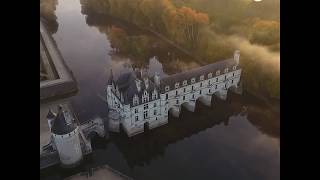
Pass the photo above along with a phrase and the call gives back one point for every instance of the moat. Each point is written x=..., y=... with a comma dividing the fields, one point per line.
x=212, y=143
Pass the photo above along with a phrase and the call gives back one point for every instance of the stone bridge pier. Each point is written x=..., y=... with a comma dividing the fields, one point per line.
x=190, y=106
x=206, y=100
x=175, y=111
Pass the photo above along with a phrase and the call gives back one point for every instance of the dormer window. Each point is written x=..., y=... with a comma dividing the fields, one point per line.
x=234, y=68
x=167, y=88
x=185, y=82
x=226, y=70
x=202, y=78
x=135, y=100
x=193, y=80
x=218, y=73
x=209, y=75
x=176, y=85
x=154, y=95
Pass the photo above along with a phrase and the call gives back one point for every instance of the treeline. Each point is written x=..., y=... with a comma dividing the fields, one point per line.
x=197, y=28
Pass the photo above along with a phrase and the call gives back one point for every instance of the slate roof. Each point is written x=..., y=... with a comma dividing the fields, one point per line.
x=127, y=86
x=60, y=126
x=196, y=73
x=51, y=115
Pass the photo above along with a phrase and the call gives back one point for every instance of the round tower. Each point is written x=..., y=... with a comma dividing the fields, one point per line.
x=66, y=139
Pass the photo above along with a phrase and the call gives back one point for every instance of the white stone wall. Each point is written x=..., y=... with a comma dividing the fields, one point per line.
x=68, y=147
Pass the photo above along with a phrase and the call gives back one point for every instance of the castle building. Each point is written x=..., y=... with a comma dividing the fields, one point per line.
x=138, y=102
x=65, y=137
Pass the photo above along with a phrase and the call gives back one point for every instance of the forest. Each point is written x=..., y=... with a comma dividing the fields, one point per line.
x=211, y=30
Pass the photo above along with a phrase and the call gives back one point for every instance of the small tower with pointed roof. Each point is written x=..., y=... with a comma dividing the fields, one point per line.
x=50, y=118
x=66, y=138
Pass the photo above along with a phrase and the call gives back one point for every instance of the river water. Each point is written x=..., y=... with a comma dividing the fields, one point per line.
x=212, y=143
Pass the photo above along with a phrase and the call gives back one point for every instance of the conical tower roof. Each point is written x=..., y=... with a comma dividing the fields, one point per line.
x=51, y=115
x=60, y=126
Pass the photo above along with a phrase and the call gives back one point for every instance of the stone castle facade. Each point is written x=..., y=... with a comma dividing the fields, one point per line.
x=138, y=102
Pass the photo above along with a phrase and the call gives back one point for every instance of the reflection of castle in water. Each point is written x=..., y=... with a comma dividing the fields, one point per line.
x=141, y=149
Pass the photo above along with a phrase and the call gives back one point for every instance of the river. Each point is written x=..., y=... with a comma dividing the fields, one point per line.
x=212, y=143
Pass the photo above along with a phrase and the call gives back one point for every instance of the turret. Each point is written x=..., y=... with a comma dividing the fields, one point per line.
x=66, y=138
x=110, y=81
x=236, y=56
x=50, y=118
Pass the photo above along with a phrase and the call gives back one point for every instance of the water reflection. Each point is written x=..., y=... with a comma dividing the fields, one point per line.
x=47, y=12
x=130, y=41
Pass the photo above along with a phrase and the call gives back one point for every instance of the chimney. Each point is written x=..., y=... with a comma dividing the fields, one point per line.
x=236, y=56
x=138, y=84
x=146, y=82
x=156, y=79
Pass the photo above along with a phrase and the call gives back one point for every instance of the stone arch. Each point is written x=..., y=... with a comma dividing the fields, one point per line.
x=92, y=135
x=174, y=111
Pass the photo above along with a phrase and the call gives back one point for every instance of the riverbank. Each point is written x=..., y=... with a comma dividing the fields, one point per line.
x=102, y=172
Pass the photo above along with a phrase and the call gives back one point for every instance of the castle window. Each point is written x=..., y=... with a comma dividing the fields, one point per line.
x=232, y=74
x=145, y=106
x=166, y=96
x=193, y=80
x=216, y=86
x=192, y=88
x=184, y=90
x=201, y=77
x=137, y=118
x=184, y=97
x=176, y=93
x=232, y=81
x=136, y=110
x=192, y=96
x=177, y=101
x=234, y=67
x=218, y=73
x=176, y=85
x=216, y=79
x=145, y=114
x=200, y=92
x=226, y=70
x=200, y=84
x=144, y=99
x=185, y=82
x=209, y=90
x=155, y=112
x=167, y=88
x=209, y=75
x=155, y=104
x=225, y=77
x=209, y=82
